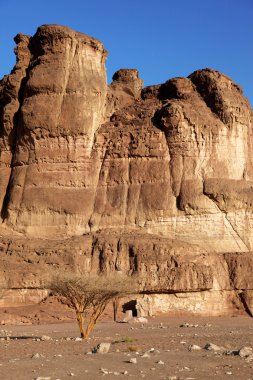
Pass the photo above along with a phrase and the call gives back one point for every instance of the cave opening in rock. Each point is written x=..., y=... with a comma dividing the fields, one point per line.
x=130, y=305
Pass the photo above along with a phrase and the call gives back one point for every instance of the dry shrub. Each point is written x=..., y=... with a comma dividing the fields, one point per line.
x=89, y=295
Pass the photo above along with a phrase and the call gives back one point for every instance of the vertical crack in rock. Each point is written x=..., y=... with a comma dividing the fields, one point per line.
x=12, y=89
x=244, y=246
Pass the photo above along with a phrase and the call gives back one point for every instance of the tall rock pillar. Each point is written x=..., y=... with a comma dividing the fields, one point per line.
x=61, y=108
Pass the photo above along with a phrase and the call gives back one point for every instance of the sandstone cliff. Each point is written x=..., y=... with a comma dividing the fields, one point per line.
x=154, y=181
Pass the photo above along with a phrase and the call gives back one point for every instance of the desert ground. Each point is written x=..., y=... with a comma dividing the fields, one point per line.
x=159, y=348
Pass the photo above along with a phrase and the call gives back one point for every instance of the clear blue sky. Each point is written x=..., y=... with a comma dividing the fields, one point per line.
x=161, y=38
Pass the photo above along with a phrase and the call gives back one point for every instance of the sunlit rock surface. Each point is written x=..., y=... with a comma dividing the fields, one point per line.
x=155, y=182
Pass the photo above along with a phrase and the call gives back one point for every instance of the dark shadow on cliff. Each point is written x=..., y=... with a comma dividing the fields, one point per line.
x=12, y=141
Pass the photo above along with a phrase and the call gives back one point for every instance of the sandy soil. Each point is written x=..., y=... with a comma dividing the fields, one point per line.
x=61, y=358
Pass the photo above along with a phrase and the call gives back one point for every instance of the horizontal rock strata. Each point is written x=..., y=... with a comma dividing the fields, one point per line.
x=174, y=276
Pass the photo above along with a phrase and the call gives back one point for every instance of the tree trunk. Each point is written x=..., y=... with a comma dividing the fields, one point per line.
x=115, y=304
x=92, y=319
x=89, y=328
x=80, y=321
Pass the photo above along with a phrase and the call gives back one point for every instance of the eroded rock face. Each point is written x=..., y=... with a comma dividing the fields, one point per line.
x=11, y=93
x=61, y=108
x=177, y=277
x=173, y=167
x=154, y=182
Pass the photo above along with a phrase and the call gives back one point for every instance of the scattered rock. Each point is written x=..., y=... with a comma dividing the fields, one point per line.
x=194, y=347
x=231, y=352
x=145, y=355
x=188, y=325
x=104, y=371
x=185, y=369
x=160, y=362
x=154, y=351
x=45, y=338
x=213, y=347
x=115, y=373
x=78, y=339
x=37, y=356
x=245, y=352
x=133, y=360
x=101, y=348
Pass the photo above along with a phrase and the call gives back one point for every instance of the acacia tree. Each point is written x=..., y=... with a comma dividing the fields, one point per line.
x=89, y=295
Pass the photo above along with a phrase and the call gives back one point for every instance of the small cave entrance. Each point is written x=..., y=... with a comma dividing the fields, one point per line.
x=130, y=305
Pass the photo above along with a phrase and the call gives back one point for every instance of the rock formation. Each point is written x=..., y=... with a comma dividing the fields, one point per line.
x=154, y=181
